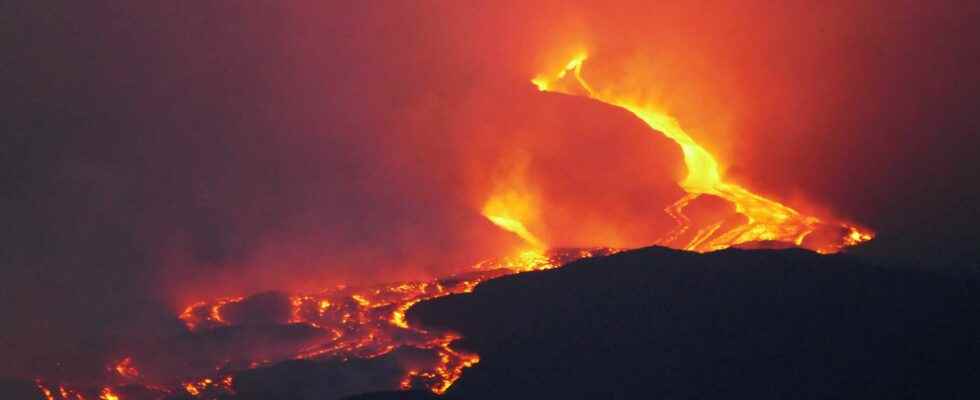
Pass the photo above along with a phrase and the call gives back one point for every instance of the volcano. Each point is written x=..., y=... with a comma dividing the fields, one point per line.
x=512, y=199
x=344, y=340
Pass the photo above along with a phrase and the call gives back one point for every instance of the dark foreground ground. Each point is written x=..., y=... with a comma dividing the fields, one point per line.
x=662, y=324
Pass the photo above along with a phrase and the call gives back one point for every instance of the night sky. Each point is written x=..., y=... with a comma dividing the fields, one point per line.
x=154, y=155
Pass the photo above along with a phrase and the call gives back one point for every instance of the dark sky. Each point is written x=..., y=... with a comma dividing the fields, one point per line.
x=152, y=155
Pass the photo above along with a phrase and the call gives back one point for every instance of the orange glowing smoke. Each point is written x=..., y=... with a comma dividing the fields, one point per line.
x=499, y=212
x=514, y=226
x=767, y=220
x=512, y=205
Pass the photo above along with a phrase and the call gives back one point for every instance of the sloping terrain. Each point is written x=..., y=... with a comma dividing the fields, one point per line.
x=666, y=324
x=662, y=324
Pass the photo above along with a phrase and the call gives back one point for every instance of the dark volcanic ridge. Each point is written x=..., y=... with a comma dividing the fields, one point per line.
x=659, y=323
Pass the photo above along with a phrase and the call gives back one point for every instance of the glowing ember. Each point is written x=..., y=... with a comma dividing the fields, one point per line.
x=59, y=393
x=107, y=394
x=44, y=390
x=210, y=386
x=767, y=220
x=126, y=369
x=202, y=315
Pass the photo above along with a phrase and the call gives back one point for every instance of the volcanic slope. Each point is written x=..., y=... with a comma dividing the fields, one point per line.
x=761, y=324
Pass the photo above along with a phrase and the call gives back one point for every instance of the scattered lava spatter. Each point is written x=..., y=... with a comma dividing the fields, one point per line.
x=766, y=219
x=370, y=322
x=63, y=392
x=360, y=323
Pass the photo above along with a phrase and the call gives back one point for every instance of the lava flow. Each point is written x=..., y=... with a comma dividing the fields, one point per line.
x=369, y=322
x=766, y=220
x=365, y=323
x=356, y=323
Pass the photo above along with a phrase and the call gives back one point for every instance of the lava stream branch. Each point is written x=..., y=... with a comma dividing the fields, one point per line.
x=766, y=220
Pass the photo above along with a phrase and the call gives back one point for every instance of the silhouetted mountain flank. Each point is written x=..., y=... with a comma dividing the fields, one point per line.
x=664, y=324
x=763, y=324
x=413, y=395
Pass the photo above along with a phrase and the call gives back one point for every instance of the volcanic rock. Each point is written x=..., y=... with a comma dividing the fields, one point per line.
x=761, y=324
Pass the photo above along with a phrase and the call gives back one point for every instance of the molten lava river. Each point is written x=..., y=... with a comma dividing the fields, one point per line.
x=345, y=324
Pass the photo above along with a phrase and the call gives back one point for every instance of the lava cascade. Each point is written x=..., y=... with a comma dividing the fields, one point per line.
x=766, y=220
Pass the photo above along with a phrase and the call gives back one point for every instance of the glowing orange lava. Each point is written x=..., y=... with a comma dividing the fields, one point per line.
x=507, y=211
x=107, y=394
x=767, y=220
x=211, y=386
x=369, y=322
x=126, y=369
x=62, y=392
